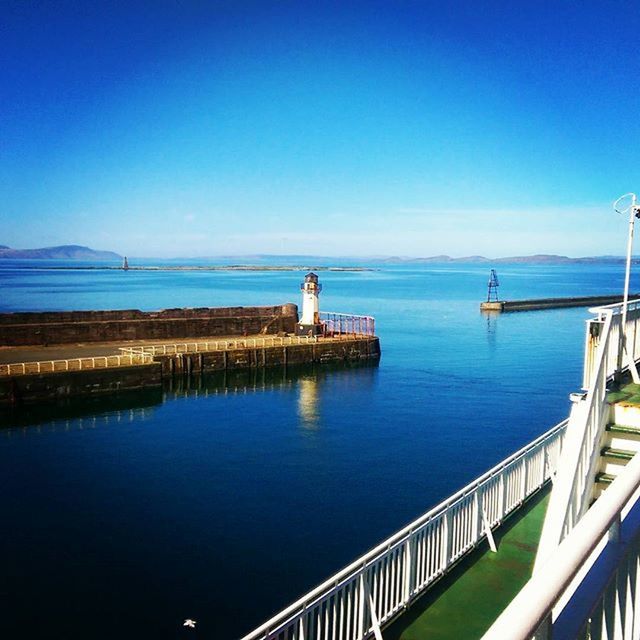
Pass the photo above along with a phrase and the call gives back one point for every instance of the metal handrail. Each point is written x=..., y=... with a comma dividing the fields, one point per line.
x=573, y=488
x=376, y=587
x=74, y=364
x=532, y=608
x=344, y=323
x=633, y=304
x=235, y=343
x=144, y=354
x=593, y=340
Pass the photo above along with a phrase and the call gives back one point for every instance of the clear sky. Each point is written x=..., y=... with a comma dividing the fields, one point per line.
x=350, y=128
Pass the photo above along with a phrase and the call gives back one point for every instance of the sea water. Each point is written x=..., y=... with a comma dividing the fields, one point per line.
x=224, y=498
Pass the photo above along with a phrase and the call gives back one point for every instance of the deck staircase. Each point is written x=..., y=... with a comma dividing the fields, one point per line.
x=620, y=441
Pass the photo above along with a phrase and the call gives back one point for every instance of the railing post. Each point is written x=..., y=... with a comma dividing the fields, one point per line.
x=525, y=473
x=477, y=515
x=545, y=630
x=614, y=531
x=361, y=605
x=409, y=573
x=503, y=494
x=448, y=538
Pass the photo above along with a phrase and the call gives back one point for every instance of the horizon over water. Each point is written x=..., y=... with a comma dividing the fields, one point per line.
x=225, y=498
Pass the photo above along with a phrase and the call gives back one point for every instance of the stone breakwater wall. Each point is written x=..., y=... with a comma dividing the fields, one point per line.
x=63, y=327
x=249, y=358
x=16, y=390
x=552, y=303
x=44, y=387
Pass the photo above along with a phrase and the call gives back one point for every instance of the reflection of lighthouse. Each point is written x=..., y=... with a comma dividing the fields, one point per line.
x=308, y=403
x=309, y=324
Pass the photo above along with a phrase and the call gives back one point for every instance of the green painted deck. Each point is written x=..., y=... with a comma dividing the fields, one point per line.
x=464, y=604
x=626, y=392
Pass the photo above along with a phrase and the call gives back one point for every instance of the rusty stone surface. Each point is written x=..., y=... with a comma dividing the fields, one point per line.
x=47, y=328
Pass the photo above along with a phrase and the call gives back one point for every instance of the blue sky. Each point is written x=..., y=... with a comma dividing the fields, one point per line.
x=390, y=128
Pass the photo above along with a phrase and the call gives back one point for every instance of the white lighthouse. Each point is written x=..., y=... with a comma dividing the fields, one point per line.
x=309, y=324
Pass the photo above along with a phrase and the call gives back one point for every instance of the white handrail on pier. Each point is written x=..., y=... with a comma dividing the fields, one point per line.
x=364, y=596
x=73, y=364
x=261, y=342
x=144, y=354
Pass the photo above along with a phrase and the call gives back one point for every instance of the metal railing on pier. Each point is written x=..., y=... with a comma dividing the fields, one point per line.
x=339, y=327
x=344, y=323
x=261, y=342
x=356, y=602
x=74, y=364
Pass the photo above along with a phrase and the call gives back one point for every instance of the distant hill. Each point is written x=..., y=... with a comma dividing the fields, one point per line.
x=534, y=259
x=63, y=252
x=541, y=258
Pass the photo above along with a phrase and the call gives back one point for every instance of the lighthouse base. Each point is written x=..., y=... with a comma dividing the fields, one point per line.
x=308, y=329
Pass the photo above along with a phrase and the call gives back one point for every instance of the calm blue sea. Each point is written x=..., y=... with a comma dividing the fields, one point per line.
x=224, y=500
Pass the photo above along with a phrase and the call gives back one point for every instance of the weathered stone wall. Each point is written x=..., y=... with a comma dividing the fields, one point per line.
x=552, y=303
x=329, y=351
x=19, y=389
x=104, y=326
x=44, y=387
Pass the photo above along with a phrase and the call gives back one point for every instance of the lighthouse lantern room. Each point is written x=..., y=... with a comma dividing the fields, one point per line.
x=309, y=324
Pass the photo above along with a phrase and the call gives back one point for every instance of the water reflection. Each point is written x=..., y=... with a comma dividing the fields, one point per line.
x=491, y=318
x=308, y=410
x=141, y=406
x=84, y=413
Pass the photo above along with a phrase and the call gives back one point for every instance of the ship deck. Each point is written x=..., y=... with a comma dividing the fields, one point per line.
x=466, y=602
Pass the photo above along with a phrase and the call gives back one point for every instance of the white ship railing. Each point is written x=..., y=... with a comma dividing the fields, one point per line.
x=573, y=488
x=361, y=598
x=596, y=334
x=599, y=562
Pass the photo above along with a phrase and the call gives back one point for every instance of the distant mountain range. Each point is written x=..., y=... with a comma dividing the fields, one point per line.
x=377, y=259
x=64, y=252
x=541, y=258
x=77, y=252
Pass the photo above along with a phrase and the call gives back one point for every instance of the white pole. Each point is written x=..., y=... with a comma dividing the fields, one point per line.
x=632, y=365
